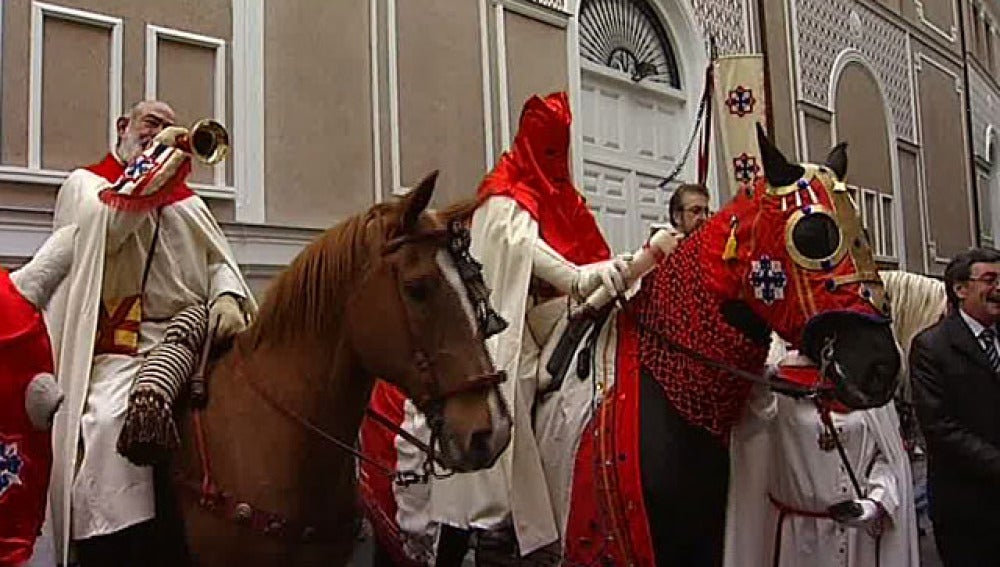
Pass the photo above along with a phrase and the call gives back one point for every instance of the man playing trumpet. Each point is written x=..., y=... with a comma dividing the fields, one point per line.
x=146, y=248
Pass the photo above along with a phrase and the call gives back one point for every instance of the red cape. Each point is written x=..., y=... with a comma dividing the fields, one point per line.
x=535, y=173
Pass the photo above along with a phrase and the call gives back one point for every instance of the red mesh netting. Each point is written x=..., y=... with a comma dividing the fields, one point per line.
x=674, y=303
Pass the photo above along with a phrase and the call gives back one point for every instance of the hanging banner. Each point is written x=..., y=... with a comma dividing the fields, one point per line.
x=740, y=103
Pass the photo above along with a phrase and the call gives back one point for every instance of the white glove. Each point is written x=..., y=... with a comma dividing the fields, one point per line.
x=611, y=275
x=226, y=310
x=870, y=516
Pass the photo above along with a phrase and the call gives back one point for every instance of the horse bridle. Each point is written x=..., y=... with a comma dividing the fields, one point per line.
x=432, y=397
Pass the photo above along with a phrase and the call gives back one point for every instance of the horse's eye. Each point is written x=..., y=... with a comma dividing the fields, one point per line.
x=816, y=236
x=418, y=290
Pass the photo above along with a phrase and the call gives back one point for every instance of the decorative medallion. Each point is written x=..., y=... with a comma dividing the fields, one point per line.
x=768, y=279
x=745, y=168
x=628, y=36
x=741, y=101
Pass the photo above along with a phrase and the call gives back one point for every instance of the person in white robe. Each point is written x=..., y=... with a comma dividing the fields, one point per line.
x=788, y=480
x=99, y=500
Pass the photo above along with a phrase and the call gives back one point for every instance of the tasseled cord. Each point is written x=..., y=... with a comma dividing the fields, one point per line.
x=149, y=434
x=730, y=251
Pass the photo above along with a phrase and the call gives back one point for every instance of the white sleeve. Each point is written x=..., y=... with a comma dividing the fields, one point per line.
x=550, y=266
x=883, y=486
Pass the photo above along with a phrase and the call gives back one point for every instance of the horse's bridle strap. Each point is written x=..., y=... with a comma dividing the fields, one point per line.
x=789, y=389
x=857, y=277
x=400, y=241
x=472, y=385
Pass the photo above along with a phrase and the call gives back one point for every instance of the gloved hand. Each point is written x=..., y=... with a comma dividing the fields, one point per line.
x=610, y=275
x=858, y=513
x=226, y=310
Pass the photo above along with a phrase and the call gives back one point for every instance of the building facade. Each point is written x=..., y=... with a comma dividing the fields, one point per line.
x=334, y=106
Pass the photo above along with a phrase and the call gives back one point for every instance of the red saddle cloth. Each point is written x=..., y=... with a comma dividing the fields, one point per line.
x=25, y=452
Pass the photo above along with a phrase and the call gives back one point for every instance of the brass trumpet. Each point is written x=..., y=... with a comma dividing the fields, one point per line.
x=208, y=141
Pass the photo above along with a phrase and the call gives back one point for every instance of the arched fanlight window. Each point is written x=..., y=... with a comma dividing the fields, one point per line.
x=627, y=35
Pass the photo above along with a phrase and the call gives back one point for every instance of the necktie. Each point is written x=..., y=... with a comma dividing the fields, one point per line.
x=987, y=337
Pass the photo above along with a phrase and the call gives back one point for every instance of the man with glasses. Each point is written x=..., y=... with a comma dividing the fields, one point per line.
x=689, y=207
x=955, y=367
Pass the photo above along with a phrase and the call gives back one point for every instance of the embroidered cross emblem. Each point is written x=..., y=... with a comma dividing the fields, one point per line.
x=745, y=167
x=10, y=466
x=139, y=167
x=768, y=279
x=741, y=101
x=826, y=441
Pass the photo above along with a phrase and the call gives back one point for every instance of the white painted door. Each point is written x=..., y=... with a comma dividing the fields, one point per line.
x=632, y=138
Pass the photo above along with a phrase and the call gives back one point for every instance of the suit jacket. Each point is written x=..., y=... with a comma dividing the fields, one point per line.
x=957, y=396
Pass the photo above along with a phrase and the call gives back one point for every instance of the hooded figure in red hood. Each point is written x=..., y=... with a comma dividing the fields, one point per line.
x=538, y=243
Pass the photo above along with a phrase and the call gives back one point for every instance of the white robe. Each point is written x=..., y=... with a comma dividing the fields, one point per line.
x=94, y=490
x=776, y=453
x=514, y=490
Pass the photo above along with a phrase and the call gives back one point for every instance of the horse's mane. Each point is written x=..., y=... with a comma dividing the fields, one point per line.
x=307, y=299
x=916, y=302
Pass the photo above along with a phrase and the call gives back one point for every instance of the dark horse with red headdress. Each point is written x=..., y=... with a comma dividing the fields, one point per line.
x=650, y=406
x=634, y=436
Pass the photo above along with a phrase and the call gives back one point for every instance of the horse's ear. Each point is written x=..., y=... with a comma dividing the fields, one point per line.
x=417, y=200
x=777, y=170
x=837, y=160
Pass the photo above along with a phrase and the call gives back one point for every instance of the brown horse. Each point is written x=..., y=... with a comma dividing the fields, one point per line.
x=377, y=295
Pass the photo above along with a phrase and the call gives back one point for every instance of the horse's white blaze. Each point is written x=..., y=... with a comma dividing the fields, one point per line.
x=451, y=275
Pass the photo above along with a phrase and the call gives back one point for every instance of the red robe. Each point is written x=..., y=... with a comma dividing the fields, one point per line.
x=25, y=452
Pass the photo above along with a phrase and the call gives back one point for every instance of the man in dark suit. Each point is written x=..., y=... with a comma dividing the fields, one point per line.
x=955, y=367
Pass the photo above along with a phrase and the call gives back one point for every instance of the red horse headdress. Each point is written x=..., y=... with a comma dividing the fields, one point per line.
x=789, y=248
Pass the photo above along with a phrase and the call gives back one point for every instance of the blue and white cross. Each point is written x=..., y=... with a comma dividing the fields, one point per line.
x=741, y=101
x=10, y=466
x=768, y=279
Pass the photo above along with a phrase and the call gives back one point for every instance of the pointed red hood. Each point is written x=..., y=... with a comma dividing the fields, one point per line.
x=535, y=173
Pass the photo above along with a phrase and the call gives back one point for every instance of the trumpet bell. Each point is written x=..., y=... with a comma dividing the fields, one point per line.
x=209, y=141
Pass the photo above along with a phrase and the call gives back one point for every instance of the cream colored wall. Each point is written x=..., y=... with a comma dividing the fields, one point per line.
x=945, y=166
x=318, y=125
x=862, y=122
x=16, y=36
x=818, y=136
x=186, y=80
x=441, y=96
x=74, y=127
x=909, y=199
x=536, y=61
